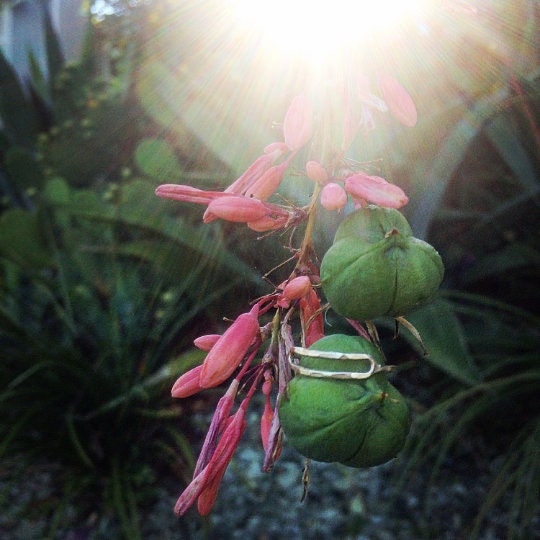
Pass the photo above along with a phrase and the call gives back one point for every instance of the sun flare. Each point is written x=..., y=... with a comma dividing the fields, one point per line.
x=315, y=29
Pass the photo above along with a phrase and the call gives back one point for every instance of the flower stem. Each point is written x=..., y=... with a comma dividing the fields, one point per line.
x=306, y=249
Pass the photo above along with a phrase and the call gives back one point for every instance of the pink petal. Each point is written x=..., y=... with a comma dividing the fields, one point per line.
x=187, y=384
x=376, y=190
x=297, y=288
x=316, y=172
x=267, y=223
x=311, y=317
x=206, y=342
x=398, y=100
x=179, y=192
x=268, y=183
x=237, y=209
x=333, y=196
x=298, y=123
x=226, y=355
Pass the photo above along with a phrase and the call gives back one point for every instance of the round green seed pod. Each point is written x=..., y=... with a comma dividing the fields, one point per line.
x=360, y=423
x=376, y=267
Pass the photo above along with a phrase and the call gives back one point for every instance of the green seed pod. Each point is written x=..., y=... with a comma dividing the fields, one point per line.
x=376, y=266
x=360, y=423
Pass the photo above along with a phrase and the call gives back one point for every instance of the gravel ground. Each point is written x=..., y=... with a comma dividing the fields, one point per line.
x=342, y=503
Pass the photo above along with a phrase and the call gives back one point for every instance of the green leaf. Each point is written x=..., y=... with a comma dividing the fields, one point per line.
x=445, y=340
x=55, y=56
x=503, y=136
x=21, y=240
x=22, y=168
x=156, y=159
x=434, y=176
x=18, y=118
x=511, y=257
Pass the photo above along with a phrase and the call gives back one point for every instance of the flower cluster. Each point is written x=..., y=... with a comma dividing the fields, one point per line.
x=296, y=301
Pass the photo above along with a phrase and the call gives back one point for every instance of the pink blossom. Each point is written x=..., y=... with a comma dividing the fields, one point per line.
x=179, y=192
x=267, y=418
x=311, y=317
x=206, y=342
x=268, y=223
x=297, y=287
x=316, y=172
x=268, y=183
x=236, y=208
x=376, y=190
x=187, y=384
x=257, y=168
x=398, y=100
x=229, y=351
x=298, y=123
x=333, y=196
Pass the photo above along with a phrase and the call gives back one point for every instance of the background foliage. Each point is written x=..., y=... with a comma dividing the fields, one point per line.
x=103, y=286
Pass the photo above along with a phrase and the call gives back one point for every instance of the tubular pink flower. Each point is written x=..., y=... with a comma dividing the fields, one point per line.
x=187, y=384
x=257, y=169
x=267, y=418
x=398, y=100
x=316, y=172
x=268, y=223
x=268, y=183
x=311, y=317
x=333, y=196
x=206, y=342
x=376, y=190
x=226, y=355
x=179, y=192
x=298, y=123
x=236, y=208
x=297, y=288
x=279, y=147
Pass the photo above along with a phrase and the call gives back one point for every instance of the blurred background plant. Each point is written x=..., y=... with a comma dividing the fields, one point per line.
x=103, y=287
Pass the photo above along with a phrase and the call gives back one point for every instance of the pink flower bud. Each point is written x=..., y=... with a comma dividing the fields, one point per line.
x=398, y=100
x=267, y=223
x=311, y=318
x=297, y=288
x=254, y=171
x=267, y=418
x=333, y=196
x=316, y=172
x=230, y=349
x=277, y=149
x=206, y=342
x=237, y=209
x=188, y=194
x=376, y=190
x=187, y=384
x=268, y=183
x=298, y=123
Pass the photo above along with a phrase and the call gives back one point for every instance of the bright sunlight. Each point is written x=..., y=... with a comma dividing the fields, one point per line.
x=315, y=29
